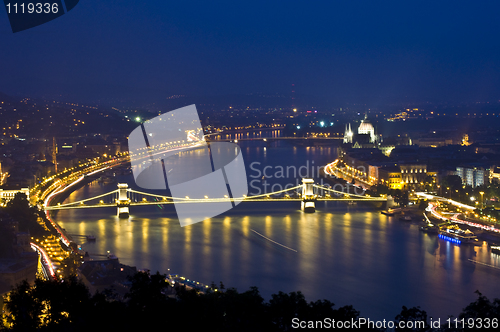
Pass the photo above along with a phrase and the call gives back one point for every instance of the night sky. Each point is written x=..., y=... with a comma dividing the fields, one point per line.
x=374, y=51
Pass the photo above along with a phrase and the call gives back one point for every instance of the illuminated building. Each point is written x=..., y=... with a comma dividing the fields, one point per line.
x=391, y=177
x=8, y=194
x=365, y=136
x=366, y=128
x=348, y=134
x=371, y=167
x=473, y=175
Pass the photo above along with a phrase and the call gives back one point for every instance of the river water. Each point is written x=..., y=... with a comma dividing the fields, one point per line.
x=348, y=254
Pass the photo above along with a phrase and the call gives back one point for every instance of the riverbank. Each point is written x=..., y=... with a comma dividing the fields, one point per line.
x=60, y=197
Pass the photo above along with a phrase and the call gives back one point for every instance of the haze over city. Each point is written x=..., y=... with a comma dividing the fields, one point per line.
x=338, y=52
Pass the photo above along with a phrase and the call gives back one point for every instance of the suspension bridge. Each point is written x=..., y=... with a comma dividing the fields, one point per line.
x=307, y=193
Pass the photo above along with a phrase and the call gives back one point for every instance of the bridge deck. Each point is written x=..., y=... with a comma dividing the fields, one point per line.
x=84, y=206
x=277, y=139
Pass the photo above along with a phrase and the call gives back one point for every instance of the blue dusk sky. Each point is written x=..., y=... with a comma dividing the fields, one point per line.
x=376, y=51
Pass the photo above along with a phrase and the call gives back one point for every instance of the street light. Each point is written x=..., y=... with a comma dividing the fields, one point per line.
x=482, y=204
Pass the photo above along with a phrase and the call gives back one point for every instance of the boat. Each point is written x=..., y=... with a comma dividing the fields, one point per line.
x=457, y=235
x=405, y=218
x=430, y=229
x=389, y=213
x=495, y=250
x=90, y=238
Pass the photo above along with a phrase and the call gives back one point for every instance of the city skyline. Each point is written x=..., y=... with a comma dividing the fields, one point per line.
x=253, y=155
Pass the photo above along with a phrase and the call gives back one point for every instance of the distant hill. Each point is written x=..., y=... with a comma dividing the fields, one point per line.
x=40, y=118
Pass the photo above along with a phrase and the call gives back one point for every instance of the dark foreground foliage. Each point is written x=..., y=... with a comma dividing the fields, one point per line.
x=151, y=304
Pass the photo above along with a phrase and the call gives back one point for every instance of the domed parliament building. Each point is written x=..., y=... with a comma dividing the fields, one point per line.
x=364, y=138
x=367, y=137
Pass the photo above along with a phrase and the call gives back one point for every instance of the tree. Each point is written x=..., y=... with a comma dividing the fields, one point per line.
x=284, y=307
x=24, y=309
x=146, y=300
x=18, y=203
x=454, y=182
x=422, y=205
x=381, y=189
x=481, y=308
x=70, y=265
x=21, y=211
x=146, y=290
x=429, y=183
x=401, y=197
x=66, y=303
x=413, y=315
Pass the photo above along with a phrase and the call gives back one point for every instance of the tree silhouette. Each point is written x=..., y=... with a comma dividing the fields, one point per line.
x=51, y=305
x=454, y=182
x=26, y=216
x=401, y=197
x=413, y=315
x=24, y=309
x=481, y=308
x=284, y=307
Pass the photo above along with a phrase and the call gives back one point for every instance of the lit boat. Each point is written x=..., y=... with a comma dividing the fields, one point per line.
x=430, y=229
x=457, y=235
x=389, y=213
x=111, y=255
x=495, y=250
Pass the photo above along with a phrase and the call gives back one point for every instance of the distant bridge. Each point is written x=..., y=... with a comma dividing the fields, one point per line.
x=125, y=197
x=270, y=139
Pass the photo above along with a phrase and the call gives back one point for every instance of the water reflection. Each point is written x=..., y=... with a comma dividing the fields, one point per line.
x=347, y=254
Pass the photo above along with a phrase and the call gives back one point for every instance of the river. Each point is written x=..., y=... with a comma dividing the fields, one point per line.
x=348, y=254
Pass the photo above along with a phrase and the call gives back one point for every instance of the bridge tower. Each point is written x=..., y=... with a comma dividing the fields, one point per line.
x=123, y=202
x=308, y=204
